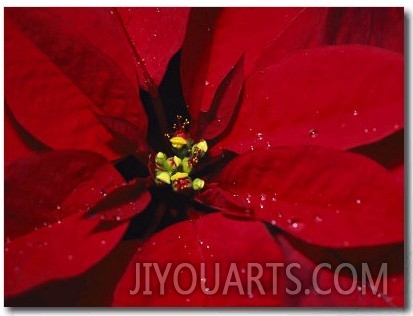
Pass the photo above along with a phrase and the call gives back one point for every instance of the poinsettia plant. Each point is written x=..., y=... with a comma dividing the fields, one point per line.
x=204, y=157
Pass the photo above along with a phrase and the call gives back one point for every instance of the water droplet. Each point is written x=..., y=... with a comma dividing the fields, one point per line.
x=157, y=10
x=153, y=243
x=263, y=197
x=268, y=145
x=337, y=211
x=58, y=207
x=242, y=270
x=379, y=295
x=103, y=192
x=207, y=246
x=273, y=222
x=179, y=236
x=396, y=126
x=188, y=300
x=252, y=147
x=359, y=288
x=203, y=280
x=118, y=218
x=250, y=295
x=206, y=82
x=248, y=199
x=261, y=72
x=111, y=12
x=139, y=249
x=318, y=219
x=259, y=136
x=155, y=35
x=346, y=243
x=45, y=224
x=358, y=201
x=70, y=257
x=103, y=242
x=313, y=133
x=374, y=129
x=201, y=242
x=366, y=130
x=261, y=206
x=8, y=240
x=206, y=289
x=294, y=223
x=355, y=113
x=209, y=29
x=6, y=249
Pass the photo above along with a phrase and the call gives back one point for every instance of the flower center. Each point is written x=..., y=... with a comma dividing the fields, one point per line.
x=175, y=171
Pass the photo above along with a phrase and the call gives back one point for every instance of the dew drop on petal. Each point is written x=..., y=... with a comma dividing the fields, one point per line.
x=355, y=113
x=273, y=222
x=157, y=10
x=70, y=257
x=366, y=130
x=58, y=207
x=259, y=136
x=318, y=219
x=103, y=192
x=206, y=83
x=263, y=197
x=313, y=133
x=103, y=242
x=207, y=246
x=358, y=201
x=396, y=126
x=242, y=270
x=346, y=243
x=118, y=218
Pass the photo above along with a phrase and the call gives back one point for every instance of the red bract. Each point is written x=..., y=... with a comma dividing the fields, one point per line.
x=302, y=109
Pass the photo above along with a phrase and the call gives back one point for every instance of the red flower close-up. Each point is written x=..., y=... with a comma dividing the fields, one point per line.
x=204, y=157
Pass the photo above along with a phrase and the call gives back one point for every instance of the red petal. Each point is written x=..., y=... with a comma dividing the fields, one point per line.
x=43, y=197
x=124, y=202
x=217, y=39
x=18, y=142
x=43, y=189
x=382, y=27
x=158, y=34
x=56, y=78
x=211, y=239
x=89, y=289
x=216, y=120
x=59, y=251
x=340, y=97
x=322, y=196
